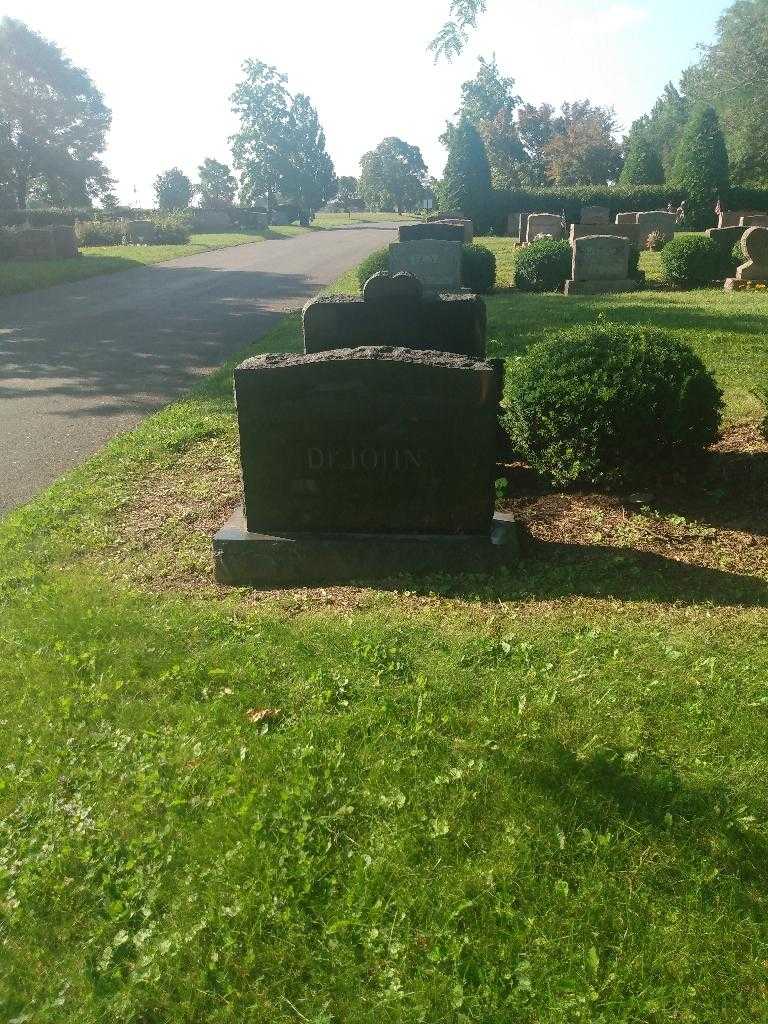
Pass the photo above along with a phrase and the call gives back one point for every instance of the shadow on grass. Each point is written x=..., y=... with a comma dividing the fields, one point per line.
x=554, y=571
x=608, y=793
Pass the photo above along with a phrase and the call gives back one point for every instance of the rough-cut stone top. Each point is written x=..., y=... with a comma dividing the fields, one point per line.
x=370, y=353
x=344, y=300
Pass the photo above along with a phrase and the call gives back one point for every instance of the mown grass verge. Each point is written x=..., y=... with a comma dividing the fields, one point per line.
x=29, y=275
x=539, y=796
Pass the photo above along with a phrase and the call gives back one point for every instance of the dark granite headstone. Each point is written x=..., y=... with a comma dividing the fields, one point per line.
x=443, y=231
x=368, y=440
x=64, y=241
x=394, y=311
x=35, y=244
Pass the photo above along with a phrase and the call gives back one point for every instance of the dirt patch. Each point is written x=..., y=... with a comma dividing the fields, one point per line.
x=715, y=520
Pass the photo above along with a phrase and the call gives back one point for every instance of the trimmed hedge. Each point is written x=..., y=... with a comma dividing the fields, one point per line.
x=543, y=265
x=609, y=403
x=690, y=260
x=620, y=200
x=376, y=263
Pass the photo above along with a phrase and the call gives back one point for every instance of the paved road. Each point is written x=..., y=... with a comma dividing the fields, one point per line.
x=82, y=362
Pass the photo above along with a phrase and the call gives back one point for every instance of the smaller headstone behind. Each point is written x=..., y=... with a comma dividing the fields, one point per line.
x=544, y=224
x=628, y=231
x=35, y=244
x=626, y=218
x=595, y=215
x=64, y=242
x=394, y=311
x=754, y=245
x=655, y=220
x=755, y=221
x=445, y=231
x=600, y=264
x=437, y=264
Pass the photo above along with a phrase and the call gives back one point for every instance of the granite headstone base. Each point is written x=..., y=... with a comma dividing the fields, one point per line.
x=629, y=284
x=244, y=559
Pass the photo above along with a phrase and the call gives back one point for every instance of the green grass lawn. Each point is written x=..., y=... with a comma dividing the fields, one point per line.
x=341, y=220
x=108, y=259
x=536, y=797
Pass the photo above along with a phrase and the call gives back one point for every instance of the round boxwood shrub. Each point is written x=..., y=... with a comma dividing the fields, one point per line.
x=609, y=403
x=377, y=262
x=478, y=268
x=542, y=266
x=690, y=260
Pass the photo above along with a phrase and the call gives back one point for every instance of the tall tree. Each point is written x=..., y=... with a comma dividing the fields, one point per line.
x=347, y=190
x=489, y=102
x=173, y=190
x=311, y=179
x=642, y=165
x=701, y=165
x=53, y=122
x=218, y=186
x=732, y=77
x=664, y=126
x=583, y=150
x=280, y=146
x=393, y=175
x=467, y=177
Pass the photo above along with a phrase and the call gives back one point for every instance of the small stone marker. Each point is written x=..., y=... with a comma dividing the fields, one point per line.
x=655, y=220
x=437, y=264
x=754, y=244
x=595, y=215
x=544, y=224
x=600, y=264
x=364, y=462
x=35, y=244
x=393, y=310
x=442, y=230
x=626, y=218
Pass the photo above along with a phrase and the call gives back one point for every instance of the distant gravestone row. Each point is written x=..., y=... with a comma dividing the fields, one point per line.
x=52, y=243
x=373, y=453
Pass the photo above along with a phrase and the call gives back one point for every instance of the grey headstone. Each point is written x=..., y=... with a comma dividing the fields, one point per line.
x=394, y=311
x=626, y=218
x=368, y=440
x=437, y=264
x=544, y=224
x=755, y=221
x=629, y=231
x=446, y=231
x=754, y=244
x=600, y=258
x=595, y=215
x=655, y=220
x=140, y=231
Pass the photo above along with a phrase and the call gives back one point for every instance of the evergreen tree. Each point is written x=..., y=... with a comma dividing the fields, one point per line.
x=467, y=176
x=701, y=165
x=173, y=190
x=643, y=164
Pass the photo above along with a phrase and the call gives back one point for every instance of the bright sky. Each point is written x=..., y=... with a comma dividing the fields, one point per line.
x=167, y=68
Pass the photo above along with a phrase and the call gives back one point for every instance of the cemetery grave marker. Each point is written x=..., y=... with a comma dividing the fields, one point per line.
x=754, y=244
x=442, y=230
x=600, y=264
x=655, y=220
x=595, y=215
x=364, y=462
x=437, y=264
x=544, y=224
x=393, y=310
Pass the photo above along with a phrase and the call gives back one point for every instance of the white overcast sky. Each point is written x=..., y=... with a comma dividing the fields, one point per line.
x=167, y=68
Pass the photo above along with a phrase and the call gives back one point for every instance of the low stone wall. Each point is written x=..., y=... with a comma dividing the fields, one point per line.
x=54, y=243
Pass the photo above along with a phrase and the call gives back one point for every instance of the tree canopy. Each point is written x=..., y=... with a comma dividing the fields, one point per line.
x=393, y=176
x=467, y=179
x=173, y=190
x=53, y=123
x=701, y=165
x=732, y=77
x=452, y=37
x=217, y=186
x=280, y=147
x=642, y=165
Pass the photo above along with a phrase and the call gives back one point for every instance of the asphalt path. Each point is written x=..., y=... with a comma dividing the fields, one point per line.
x=82, y=362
